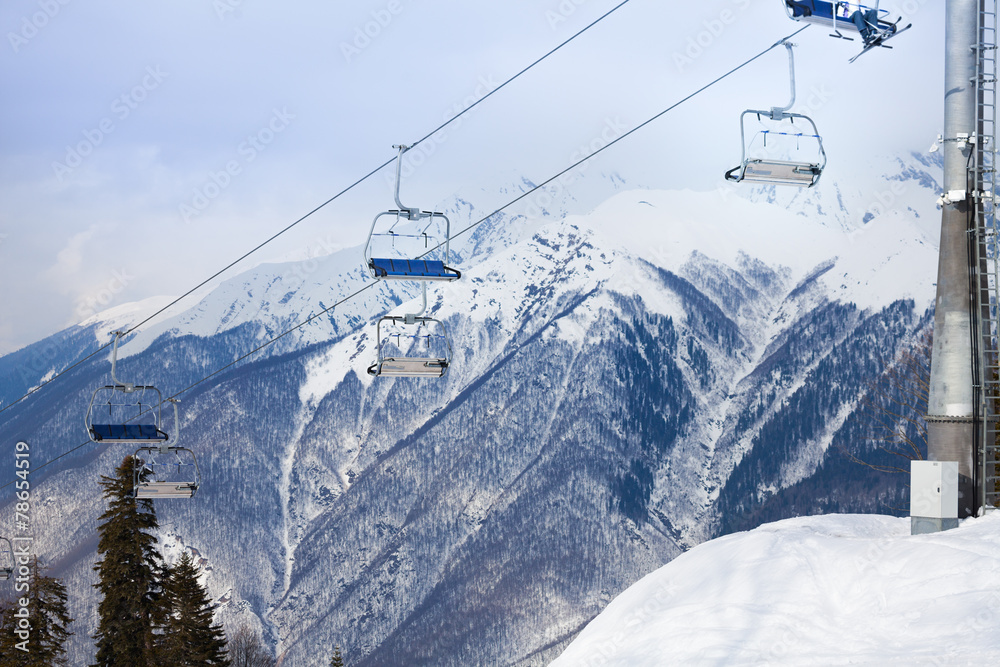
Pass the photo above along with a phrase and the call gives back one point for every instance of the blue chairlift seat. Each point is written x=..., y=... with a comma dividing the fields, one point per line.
x=411, y=269
x=127, y=433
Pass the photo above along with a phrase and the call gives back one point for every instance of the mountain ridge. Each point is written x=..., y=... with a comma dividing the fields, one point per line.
x=609, y=389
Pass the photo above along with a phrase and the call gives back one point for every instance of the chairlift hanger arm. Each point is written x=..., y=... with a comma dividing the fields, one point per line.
x=410, y=213
x=128, y=387
x=777, y=113
x=177, y=426
x=410, y=319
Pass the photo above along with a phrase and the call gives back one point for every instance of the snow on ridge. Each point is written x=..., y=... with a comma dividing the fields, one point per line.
x=325, y=371
x=890, y=258
x=873, y=265
x=822, y=590
x=124, y=316
x=498, y=289
x=274, y=295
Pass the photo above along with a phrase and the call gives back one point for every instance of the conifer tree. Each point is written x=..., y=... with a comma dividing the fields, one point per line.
x=895, y=404
x=48, y=620
x=190, y=639
x=128, y=580
x=7, y=637
x=337, y=660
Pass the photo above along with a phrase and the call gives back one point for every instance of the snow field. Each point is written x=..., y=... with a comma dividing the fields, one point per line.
x=824, y=590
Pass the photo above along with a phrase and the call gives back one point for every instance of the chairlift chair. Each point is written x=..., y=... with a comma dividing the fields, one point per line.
x=166, y=471
x=780, y=171
x=403, y=251
x=837, y=16
x=6, y=559
x=775, y=171
x=126, y=403
x=411, y=366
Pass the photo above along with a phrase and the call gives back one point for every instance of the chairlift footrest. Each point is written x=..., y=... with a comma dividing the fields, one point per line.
x=409, y=367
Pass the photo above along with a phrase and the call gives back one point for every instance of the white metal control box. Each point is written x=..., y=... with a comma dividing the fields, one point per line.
x=934, y=489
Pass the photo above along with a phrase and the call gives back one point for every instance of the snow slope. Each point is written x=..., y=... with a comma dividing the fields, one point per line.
x=822, y=590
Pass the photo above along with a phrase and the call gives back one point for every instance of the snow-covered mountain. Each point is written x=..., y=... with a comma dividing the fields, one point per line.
x=626, y=384
x=824, y=590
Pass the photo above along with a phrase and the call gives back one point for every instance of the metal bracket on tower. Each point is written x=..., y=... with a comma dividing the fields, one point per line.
x=963, y=138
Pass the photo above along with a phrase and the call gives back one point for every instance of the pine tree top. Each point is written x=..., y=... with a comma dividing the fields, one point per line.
x=190, y=637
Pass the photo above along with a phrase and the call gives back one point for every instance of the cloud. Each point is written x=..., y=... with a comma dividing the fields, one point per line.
x=70, y=260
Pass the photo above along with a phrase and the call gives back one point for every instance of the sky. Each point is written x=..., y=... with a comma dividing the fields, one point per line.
x=144, y=146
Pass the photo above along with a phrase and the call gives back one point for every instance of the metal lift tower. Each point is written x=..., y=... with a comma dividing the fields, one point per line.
x=959, y=402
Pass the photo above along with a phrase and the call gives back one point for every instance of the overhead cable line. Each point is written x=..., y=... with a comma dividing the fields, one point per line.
x=368, y=286
x=630, y=132
x=324, y=204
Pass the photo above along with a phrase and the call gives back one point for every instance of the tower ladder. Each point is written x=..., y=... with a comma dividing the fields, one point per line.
x=986, y=256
